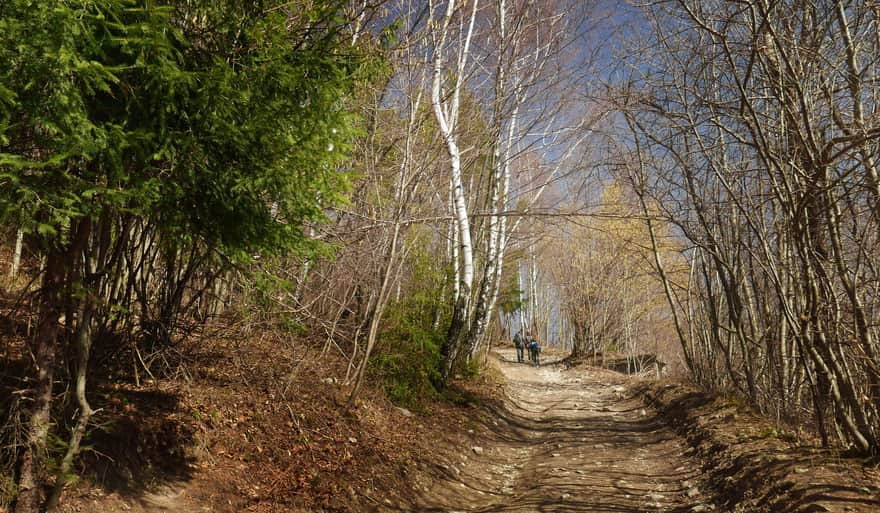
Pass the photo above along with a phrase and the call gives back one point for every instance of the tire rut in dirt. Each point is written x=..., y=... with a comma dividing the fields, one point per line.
x=570, y=441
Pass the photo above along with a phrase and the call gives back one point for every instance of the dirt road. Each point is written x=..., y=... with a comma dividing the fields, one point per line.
x=567, y=441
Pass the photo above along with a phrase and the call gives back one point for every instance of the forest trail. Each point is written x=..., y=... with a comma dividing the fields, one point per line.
x=569, y=442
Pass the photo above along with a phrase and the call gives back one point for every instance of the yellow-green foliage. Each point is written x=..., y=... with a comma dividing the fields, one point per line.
x=604, y=267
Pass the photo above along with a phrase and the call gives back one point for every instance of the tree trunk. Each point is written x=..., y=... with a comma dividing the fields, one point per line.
x=83, y=349
x=376, y=315
x=446, y=119
x=44, y=351
x=16, y=256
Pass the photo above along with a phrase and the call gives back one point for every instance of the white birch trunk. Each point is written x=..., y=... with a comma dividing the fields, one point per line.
x=456, y=263
x=501, y=155
x=499, y=235
x=446, y=115
x=16, y=256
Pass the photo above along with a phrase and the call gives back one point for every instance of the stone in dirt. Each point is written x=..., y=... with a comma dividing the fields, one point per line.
x=477, y=449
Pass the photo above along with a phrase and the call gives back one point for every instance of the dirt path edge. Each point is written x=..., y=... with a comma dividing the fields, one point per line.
x=756, y=467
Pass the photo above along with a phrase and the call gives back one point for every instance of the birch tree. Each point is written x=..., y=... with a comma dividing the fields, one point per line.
x=534, y=67
x=452, y=52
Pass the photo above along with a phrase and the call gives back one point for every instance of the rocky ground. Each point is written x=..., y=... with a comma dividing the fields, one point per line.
x=592, y=440
x=570, y=441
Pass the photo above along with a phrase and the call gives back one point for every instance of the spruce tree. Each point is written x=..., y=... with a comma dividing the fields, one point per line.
x=218, y=123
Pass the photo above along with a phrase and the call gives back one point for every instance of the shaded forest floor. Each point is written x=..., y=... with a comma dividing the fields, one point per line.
x=256, y=427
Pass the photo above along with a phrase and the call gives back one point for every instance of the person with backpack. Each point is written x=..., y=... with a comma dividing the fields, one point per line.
x=519, y=343
x=526, y=343
x=534, y=351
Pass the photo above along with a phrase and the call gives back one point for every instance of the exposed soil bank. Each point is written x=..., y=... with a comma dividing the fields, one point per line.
x=755, y=468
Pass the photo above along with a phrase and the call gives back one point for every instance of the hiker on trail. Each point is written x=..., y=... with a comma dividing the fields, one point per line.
x=520, y=344
x=534, y=351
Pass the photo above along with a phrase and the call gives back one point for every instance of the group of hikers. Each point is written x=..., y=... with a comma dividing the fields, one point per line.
x=527, y=342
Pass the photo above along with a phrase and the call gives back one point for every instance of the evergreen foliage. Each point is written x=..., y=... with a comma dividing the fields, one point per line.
x=408, y=357
x=143, y=142
x=213, y=119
